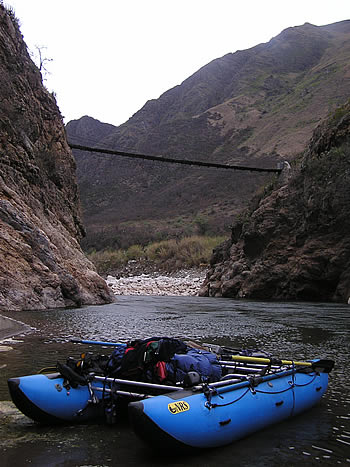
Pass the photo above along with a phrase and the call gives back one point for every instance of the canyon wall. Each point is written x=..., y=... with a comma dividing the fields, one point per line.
x=41, y=263
x=294, y=242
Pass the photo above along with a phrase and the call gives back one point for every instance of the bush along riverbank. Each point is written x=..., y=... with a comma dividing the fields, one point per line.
x=168, y=267
x=167, y=256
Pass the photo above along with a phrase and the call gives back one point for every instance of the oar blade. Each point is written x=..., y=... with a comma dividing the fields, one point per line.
x=323, y=366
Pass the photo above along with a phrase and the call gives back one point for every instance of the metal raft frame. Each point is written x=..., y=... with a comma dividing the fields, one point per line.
x=244, y=375
x=242, y=371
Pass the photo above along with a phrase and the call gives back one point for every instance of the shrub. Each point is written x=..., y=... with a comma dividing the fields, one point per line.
x=108, y=260
x=187, y=252
x=134, y=252
x=170, y=255
x=11, y=12
x=161, y=251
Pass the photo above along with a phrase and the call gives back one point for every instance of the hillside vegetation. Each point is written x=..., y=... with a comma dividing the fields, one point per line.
x=166, y=255
x=294, y=243
x=252, y=107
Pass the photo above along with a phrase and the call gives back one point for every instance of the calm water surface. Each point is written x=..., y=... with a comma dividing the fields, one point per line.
x=289, y=330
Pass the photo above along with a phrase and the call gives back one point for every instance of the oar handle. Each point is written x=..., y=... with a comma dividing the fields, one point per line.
x=84, y=341
x=319, y=365
x=243, y=358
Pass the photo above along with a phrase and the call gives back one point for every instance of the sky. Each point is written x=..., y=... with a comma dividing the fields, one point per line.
x=109, y=57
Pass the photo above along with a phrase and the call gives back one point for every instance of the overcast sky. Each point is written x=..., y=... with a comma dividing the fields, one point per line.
x=110, y=56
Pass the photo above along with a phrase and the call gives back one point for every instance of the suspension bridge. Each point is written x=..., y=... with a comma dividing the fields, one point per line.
x=172, y=160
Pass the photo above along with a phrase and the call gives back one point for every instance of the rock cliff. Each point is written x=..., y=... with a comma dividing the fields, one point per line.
x=41, y=263
x=294, y=243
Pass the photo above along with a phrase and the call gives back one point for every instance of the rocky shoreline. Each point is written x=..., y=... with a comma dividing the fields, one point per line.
x=180, y=283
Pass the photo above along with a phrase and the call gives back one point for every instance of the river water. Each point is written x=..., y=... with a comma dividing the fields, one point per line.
x=289, y=330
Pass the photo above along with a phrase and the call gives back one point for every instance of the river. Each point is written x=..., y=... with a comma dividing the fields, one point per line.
x=289, y=330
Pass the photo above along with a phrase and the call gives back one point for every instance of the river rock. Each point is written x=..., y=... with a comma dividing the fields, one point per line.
x=176, y=284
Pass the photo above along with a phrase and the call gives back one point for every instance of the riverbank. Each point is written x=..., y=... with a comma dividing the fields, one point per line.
x=180, y=283
x=10, y=327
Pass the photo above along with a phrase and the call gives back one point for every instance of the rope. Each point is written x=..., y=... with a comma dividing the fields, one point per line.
x=209, y=405
x=274, y=392
x=251, y=388
x=293, y=385
x=306, y=384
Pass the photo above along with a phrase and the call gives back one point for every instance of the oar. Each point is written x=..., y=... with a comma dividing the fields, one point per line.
x=320, y=365
x=84, y=341
x=122, y=393
x=140, y=384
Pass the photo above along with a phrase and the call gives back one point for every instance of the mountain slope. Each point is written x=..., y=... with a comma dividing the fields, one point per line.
x=257, y=106
x=295, y=242
x=41, y=263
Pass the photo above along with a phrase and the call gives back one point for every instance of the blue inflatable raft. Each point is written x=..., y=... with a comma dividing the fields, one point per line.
x=175, y=394
x=51, y=399
x=220, y=413
x=47, y=399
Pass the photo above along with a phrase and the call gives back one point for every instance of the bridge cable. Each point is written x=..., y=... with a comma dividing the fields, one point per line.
x=172, y=160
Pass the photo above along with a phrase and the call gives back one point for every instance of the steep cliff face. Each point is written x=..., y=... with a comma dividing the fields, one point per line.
x=41, y=263
x=295, y=242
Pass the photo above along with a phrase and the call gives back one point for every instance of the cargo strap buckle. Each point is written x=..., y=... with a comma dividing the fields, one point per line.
x=209, y=393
